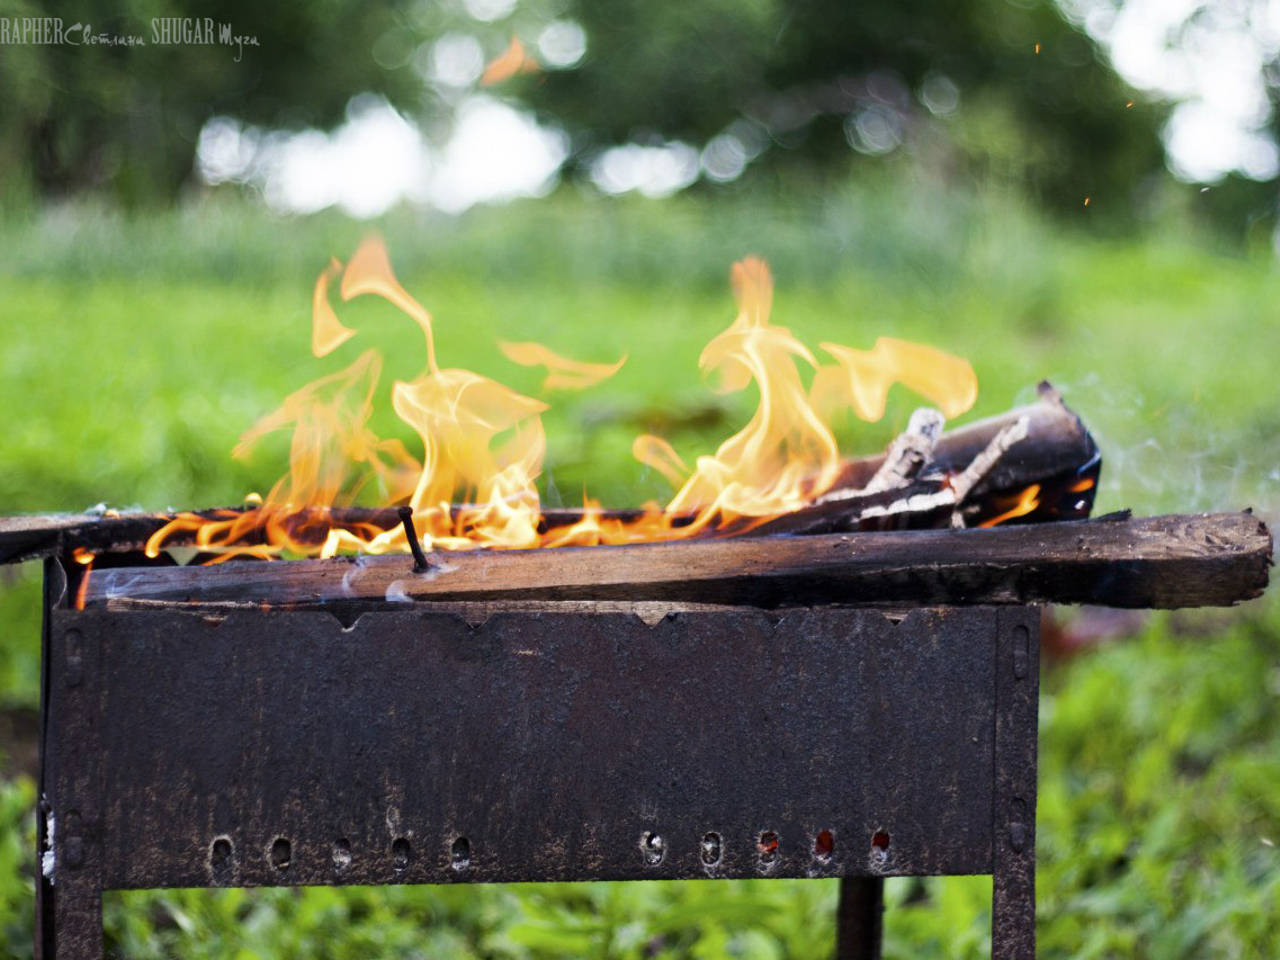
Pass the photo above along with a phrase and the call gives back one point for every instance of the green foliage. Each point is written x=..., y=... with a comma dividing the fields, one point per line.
x=522, y=922
x=81, y=117
x=801, y=75
x=17, y=867
x=124, y=119
x=1158, y=812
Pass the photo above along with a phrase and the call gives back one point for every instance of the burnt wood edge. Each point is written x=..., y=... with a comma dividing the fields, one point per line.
x=1057, y=444
x=1163, y=562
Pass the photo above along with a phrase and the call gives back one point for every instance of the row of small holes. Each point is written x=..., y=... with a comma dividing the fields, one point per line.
x=282, y=853
x=654, y=847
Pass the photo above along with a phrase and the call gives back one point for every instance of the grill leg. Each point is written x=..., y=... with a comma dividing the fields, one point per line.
x=69, y=906
x=77, y=927
x=1013, y=875
x=1013, y=913
x=860, y=918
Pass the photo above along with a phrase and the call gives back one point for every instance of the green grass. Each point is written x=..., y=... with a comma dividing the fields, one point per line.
x=134, y=352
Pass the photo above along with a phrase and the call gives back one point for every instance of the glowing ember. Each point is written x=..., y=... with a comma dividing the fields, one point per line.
x=483, y=444
x=1028, y=500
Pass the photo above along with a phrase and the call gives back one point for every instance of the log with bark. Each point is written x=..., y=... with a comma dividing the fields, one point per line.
x=1159, y=562
x=906, y=487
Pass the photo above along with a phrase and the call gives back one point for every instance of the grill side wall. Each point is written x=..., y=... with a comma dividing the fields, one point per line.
x=277, y=748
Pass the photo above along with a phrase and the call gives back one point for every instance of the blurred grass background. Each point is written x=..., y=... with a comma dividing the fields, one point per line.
x=136, y=348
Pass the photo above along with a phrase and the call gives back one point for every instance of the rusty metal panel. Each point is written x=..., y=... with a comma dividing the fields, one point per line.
x=280, y=748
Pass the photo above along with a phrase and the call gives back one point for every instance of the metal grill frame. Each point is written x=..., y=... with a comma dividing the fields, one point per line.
x=277, y=748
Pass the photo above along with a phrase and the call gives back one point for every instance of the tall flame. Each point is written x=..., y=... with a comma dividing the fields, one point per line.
x=861, y=378
x=483, y=444
x=785, y=456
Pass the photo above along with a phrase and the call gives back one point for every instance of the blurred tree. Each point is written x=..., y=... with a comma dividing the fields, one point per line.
x=809, y=82
x=815, y=77
x=125, y=118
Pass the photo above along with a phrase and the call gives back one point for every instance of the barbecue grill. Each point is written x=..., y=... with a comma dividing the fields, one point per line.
x=846, y=688
x=871, y=715
x=281, y=748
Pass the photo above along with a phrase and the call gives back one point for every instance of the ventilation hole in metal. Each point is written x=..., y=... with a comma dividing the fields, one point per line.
x=401, y=854
x=653, y=847
x=711, y=849
x=341, y=853
x=461, y=853
x=221, y=852
x=824, y=844
x=768, y=846
x=281, y=853
x=880, y=845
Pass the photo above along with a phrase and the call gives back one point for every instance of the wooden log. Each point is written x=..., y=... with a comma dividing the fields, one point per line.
x=1057, y=446
x=1162, y=562
x=1056, y=441
x=946, y=499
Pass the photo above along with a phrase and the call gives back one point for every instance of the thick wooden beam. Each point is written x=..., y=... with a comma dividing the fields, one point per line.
x=1160, y=562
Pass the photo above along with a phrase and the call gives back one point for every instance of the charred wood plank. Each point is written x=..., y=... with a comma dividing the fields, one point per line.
x=1160, y=562
x=474, y=612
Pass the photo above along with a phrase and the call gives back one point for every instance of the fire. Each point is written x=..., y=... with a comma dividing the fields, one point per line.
x=861, y=378
x=562, y=373
x=85, y=558
x=1028, y=500
x=482, y=444
x=786, y=455
x=512, y=61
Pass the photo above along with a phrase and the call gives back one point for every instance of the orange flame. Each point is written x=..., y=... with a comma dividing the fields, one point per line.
x=85, y=558
x=483, y=444
x=562, y=373
x=657, y=453
x=512, y=61
x=785, y=455
x=861, y=379
x=327, y=331
x=1028, y=500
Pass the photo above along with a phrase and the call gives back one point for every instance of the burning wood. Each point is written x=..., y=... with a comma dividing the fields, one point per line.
x=1162, y=562
x=483, y=445
x=1058, y=457
x=1032, y=464
x=781, y=474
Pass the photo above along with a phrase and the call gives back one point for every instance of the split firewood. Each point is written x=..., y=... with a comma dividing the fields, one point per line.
x=910, y=453
x=868, y=509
